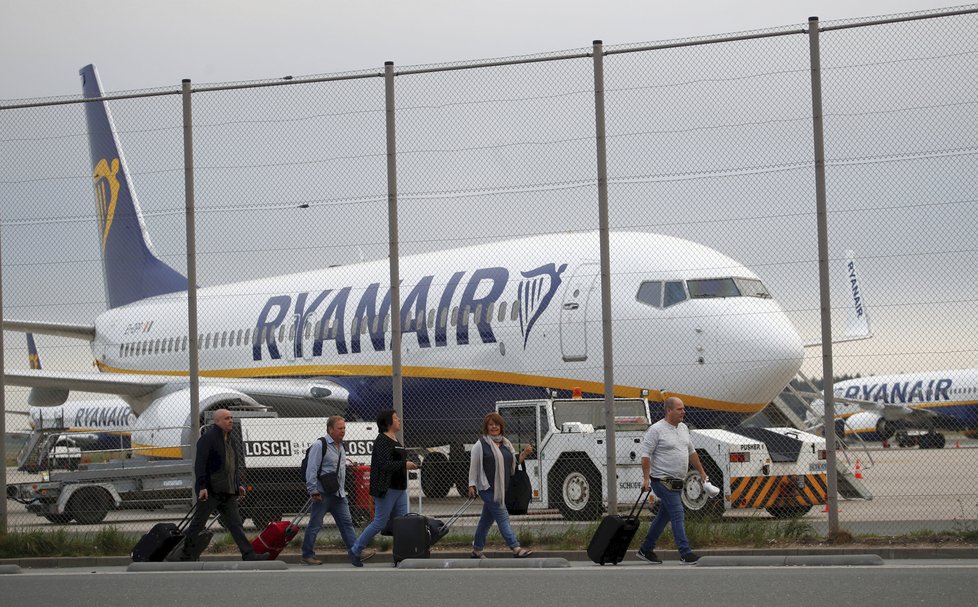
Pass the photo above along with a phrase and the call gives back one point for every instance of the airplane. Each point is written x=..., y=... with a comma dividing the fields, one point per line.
x=499, y=321
x=877, y=407
x=92, y=421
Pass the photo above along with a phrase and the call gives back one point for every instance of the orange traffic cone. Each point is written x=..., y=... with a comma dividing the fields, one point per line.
x=859, y=470
x=957, y=444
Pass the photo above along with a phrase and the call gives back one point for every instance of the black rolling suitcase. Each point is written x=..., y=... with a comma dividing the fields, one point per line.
x=160, y=540
x=615, y=533
x=200, y=544
x=415, y=534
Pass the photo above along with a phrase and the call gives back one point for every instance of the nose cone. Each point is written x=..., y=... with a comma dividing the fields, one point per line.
x=757, y=350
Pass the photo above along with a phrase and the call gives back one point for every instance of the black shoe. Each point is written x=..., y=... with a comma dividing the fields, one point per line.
x=254, y=556
x=648, y=557
x=689, y=558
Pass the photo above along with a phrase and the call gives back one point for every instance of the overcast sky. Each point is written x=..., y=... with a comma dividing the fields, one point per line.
x=140, y=44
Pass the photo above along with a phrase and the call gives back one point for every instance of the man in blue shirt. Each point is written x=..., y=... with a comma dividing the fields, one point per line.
x=328, y=499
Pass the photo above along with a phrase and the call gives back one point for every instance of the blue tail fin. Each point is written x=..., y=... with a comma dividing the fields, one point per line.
x=130, y=269
x=33, y=360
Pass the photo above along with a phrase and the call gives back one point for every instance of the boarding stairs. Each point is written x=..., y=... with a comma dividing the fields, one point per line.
x=793, y=407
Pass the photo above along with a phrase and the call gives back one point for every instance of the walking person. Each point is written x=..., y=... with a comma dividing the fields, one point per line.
x=388, y=482
x=666, y=453
x=326, y=483
x=218, y=485
x=492, y=465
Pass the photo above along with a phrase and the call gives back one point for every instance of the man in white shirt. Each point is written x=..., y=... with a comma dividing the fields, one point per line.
x=666, y=453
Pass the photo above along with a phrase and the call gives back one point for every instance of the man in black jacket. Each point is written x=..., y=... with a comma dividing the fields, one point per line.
x=218, y=485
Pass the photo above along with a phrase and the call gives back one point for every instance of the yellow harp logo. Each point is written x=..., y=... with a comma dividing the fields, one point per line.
x=106, y=194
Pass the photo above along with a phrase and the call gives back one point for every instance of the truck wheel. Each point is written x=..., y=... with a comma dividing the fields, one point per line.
x=88, y=506
x=58, y=519
x=695, y=500
x=436, y=477
x=788, y=511
x=578, y=490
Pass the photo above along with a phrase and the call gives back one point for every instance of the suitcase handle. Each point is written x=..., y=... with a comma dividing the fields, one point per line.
x=458, y=513
x=303, y=512
x=643, y=497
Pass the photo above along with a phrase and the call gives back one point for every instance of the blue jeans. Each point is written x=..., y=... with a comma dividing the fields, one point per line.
x=670, y=510
x=493, y=512
x=394, y=503
x=337, y=506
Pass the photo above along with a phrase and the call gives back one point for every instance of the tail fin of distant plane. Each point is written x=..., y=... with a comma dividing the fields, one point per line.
x=857, y=320
x=131, y=270
x=33, y=360
x=857, y=314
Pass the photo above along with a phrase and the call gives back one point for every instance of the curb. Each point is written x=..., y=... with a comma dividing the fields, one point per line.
x=210, y=566
x=486, y=563
x=335, y=558
x=811, y=560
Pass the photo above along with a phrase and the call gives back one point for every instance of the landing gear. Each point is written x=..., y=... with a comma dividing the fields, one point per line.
x=930, y=440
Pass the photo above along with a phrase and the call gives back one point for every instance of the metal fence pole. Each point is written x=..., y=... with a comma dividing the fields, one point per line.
x=396, y=389
x=188, y=181
x=609, y=371
x=823, y=279
x=3, y=417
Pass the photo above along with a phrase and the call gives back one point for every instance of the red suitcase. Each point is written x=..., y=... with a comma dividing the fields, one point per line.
x=276, y=535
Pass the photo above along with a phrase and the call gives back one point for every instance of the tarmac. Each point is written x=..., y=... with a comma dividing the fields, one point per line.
x=460, y=559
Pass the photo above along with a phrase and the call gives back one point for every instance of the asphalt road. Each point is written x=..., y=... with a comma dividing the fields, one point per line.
x=894, y=583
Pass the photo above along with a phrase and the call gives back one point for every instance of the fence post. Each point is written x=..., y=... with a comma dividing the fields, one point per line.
x=609, y=371
x=395, y=311
x=188, y=184
x=823, y=279
x=3, y=417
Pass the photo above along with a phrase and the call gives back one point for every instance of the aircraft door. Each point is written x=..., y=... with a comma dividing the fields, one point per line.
x=573, y=311
x=526, y=425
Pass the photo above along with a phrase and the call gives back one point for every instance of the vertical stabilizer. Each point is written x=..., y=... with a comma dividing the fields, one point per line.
x=130, y=269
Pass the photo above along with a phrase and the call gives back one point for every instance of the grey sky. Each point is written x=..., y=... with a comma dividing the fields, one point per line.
x=145, y=44
x=140, y=44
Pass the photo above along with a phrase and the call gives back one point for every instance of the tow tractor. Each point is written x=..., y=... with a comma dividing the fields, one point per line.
x=782, y=470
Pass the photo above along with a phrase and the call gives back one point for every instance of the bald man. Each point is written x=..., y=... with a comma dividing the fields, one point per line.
x=218, y=486
x=667, y=452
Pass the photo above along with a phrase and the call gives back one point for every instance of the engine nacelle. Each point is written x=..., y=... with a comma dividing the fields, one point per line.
x=163, y=429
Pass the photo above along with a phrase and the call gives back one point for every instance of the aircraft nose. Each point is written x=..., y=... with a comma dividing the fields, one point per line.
x=758, y=350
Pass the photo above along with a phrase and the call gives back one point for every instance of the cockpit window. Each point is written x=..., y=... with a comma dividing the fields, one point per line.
x=750, y=287
x=727, y=287
x=650, y=293
x=675, y=293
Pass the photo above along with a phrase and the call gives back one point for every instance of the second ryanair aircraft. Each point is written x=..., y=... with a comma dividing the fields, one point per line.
x=500, y=321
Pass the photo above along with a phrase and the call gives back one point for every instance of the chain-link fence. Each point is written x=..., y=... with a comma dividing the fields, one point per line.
x=711, y=250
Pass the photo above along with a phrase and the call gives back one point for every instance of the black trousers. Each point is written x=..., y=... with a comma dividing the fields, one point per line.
x=227, y=505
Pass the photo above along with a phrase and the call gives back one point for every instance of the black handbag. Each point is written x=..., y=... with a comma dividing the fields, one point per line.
x=520, y=491
x=330, y=482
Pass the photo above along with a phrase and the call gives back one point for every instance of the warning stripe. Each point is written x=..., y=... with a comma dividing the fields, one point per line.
x=775, y=491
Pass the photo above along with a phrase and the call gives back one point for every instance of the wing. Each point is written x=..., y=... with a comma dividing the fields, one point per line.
x=86, y=332
x=309, y=397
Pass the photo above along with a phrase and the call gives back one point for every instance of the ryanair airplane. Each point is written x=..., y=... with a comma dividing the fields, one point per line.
x=876, y=407
x=102, y=418
x=501, y=321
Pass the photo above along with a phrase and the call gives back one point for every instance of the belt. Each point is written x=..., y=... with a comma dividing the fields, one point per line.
x=673, y=484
